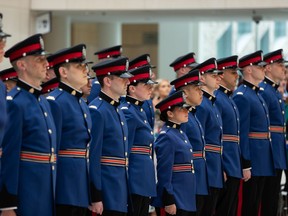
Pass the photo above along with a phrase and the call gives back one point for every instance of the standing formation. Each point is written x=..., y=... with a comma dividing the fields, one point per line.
x=66, y=151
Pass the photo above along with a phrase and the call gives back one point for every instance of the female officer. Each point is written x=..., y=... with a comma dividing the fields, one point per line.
x=140, y=140
x=176, y=187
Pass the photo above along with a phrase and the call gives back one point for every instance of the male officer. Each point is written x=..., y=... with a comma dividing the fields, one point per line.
x=211, y=122
x=137, y=62
x=227, y=204
x=9, y=78
x=3, y=116
x=109, y=146
x=74, y=121
x=107, y=53
x=51, y=82
x=28, y=160
x=256, y=150
x=275, y=72
x=191, y=86
x=182, y=65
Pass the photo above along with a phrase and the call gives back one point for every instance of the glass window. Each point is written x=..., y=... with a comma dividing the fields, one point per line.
x=224, y=44
x=244, y=28
x=264, y=42
x=280, y=29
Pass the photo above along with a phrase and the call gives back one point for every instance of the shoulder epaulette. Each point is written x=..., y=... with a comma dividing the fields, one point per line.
x=13, y=93
x=93, y=107
x=50, y=98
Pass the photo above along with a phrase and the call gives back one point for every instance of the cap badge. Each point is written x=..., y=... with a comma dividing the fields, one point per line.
x=41, y=42
x=83, y=52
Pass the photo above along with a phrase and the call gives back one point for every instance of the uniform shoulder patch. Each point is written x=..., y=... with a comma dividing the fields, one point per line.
x=9, y=97
x=50, y=98
x=93, y=107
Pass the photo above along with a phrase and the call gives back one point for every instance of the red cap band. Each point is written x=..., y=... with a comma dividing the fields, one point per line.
x=171, y=103
x=62, y=59
x=18, y=53
x=273, y=58
x=181, y=64
x=207, y=67
x=249, y=61
x=187, y=80
x=227, y=64
x=138, y=64
x=8, y=75
x=139, y=77
x=106, y=54
x=105, y=71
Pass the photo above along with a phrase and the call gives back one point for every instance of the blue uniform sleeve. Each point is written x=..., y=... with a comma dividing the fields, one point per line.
x=164, y=148
x=3, y=111
x=11, y=156
x=244, y=113
x=97, y=133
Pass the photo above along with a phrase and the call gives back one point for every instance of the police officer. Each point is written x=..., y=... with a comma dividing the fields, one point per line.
x=227, y=204
x=109, y=147
x=256, y=150
x=211, y=122
x=182, y=65
x=3, y=117
x=176, y=186
x=29, y=146
x=190, y=84
x=275, y=72
x=9, y=78
x=74, y=121
x=141, y=170
x=104, y=54
x=148, y=107
x=51, y=82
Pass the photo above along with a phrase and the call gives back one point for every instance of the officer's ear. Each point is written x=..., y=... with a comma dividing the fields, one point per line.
x=202, y=78
x=107, y=81
x=170, y=114
x=63, y=72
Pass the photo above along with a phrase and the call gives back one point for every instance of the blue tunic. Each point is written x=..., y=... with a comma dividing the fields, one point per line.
x=109, y=154
x=211, y=121
x=3, y=117
x=195, y=134
x=231, y=132
x=255, y=142
x=276, y=107
x=74, y=146
x=95, y=90
x=149, y=110
x=140, y=139
x=175, y=171
x=28, y=160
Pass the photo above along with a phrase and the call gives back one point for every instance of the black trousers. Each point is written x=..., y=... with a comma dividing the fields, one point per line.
x=69, y=210
x=179, y=212
x=107, y=213
x=228, y=198
x=210, y=201
x=270, y=196
x=200, y=204
x=252, y=193
x=139, y=205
